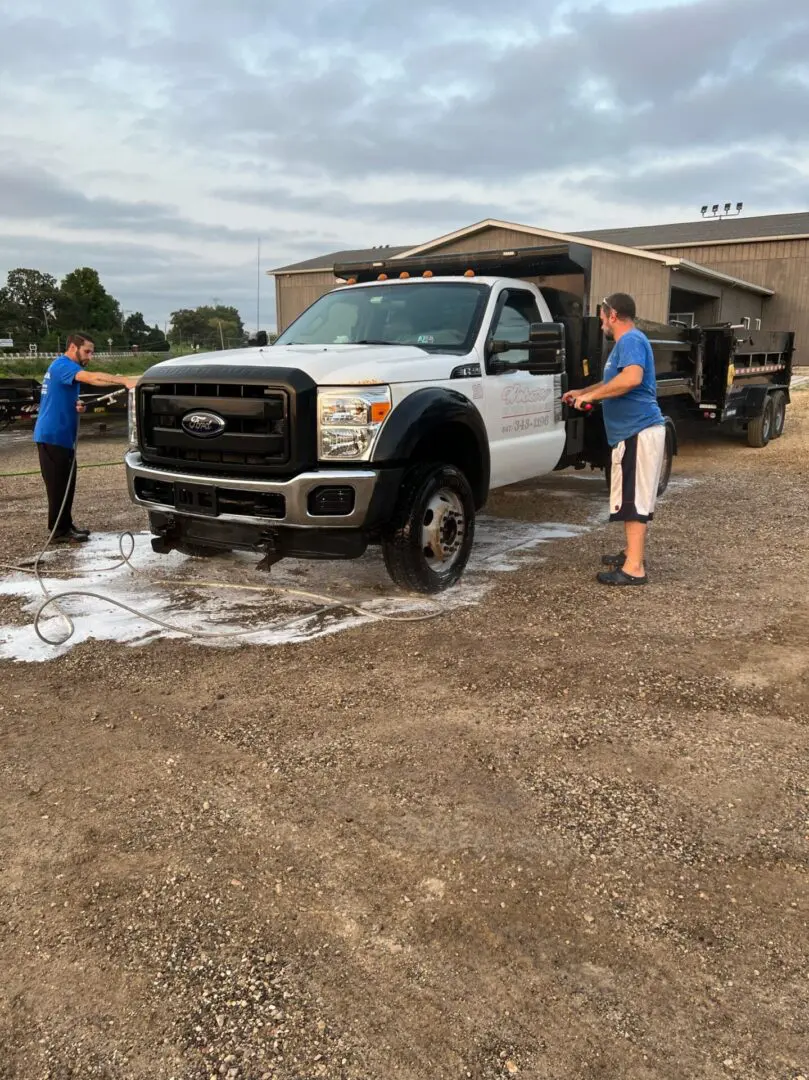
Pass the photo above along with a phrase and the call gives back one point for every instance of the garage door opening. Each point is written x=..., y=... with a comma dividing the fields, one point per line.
x=692, y=308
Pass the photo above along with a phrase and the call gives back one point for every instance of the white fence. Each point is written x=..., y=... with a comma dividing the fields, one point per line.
x=52, y=356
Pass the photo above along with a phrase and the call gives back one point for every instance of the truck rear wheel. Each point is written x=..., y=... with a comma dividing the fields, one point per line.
x=779, y=414
x=429, y=539
x=759, y=431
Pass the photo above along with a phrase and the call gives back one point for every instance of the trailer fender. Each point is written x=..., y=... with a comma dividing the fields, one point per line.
x=442, y=426
x=753, y=399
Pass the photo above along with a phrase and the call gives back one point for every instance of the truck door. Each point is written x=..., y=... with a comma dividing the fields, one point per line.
x=523, y=410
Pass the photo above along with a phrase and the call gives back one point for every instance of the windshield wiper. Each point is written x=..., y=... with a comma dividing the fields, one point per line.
x=373, y=341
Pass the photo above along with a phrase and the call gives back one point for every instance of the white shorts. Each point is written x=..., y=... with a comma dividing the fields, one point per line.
x=637, y=464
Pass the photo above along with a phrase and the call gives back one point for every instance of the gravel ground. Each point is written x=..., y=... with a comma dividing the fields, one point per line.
x=562, y=834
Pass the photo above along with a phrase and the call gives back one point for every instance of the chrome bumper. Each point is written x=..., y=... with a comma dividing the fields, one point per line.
x=295, y=491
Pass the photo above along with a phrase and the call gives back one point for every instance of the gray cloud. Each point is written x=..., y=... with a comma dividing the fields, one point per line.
x=37, y=195
x=405, y=212
x=690, y=75
x=264, y=118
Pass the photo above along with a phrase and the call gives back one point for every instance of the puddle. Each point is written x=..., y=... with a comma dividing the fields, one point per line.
x=187, y=601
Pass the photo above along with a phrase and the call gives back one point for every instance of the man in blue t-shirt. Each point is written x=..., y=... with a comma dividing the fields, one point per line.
x=57, y=429
x=636, y=432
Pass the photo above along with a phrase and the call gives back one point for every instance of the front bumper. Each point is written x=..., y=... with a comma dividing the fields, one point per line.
x=367, y=484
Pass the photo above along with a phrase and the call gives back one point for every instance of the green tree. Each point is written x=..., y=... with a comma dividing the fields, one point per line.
x=135, y=329
x=83, y=304
x=27, y=305
x=207, y=326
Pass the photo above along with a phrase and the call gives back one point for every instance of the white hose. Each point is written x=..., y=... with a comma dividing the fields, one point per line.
x=328, y=603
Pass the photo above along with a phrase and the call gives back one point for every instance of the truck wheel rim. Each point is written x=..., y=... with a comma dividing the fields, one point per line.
x=778, y=422
x=443, y=529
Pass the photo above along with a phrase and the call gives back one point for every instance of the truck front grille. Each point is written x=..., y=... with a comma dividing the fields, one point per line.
x=255, y=438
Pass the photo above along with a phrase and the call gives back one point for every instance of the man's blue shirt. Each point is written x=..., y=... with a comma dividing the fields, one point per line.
x=636, y=410
x=58, y=421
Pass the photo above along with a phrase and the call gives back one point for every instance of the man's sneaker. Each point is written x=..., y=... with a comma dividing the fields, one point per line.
x=81, y=529
x=72, y=536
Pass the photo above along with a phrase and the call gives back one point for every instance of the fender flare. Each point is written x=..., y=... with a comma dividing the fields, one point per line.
x=423, y=414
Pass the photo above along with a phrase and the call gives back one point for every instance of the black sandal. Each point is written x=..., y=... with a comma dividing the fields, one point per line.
x=614, y=560
x=618, y=577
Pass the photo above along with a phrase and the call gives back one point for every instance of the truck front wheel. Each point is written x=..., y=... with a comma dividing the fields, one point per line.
x=429, y=538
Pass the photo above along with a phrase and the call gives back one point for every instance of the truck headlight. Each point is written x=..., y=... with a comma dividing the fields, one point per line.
x=132, y=419
x=349, y=419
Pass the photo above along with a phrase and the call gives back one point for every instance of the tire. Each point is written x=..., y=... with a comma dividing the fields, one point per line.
x=759, y=431
x=779, y=414
x=427, y=543
x=668, y=461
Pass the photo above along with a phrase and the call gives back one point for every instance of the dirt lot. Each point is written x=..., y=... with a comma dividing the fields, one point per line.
x=560, y=834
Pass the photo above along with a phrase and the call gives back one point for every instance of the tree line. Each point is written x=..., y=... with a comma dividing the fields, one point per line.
x=35, y=309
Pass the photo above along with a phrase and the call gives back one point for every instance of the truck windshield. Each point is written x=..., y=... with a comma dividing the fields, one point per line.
x=432, y=315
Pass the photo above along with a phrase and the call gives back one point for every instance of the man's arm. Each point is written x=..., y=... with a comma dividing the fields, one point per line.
x=102, y=378
x=627, y=379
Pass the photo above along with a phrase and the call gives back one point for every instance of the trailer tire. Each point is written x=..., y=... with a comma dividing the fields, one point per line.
x=759, y=431
x=668, y=461
x=779, y=413
x=428, y=540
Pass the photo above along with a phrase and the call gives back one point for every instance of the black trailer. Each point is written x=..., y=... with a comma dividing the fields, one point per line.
x=20, y=398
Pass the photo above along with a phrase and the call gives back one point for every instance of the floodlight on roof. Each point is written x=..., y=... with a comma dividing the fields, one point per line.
x=726, y=211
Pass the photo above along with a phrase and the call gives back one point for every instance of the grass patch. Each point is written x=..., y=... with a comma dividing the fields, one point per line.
x=35, y=368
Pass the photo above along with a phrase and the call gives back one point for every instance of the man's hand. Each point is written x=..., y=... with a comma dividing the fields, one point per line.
x=587, y=397
x=578, y=398
x=129, y=381
x=572, y=396
x=80, y=407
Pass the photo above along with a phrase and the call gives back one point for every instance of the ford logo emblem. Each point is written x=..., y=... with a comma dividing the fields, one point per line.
x=204, y=425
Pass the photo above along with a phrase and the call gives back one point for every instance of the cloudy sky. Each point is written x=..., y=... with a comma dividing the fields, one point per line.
x=157, y=140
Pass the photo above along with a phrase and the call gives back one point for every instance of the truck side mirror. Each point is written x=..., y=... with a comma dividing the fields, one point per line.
x=546, y=348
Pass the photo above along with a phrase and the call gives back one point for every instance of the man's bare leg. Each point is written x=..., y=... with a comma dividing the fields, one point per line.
x=635, y=548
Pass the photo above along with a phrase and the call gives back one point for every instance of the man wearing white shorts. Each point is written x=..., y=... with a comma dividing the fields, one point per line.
x=636, y=432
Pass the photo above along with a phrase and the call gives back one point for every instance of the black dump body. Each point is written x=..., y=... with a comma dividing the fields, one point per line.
x=720, y=372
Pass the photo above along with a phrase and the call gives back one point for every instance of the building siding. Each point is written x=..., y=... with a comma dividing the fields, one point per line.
x=295, y=292
x=780, y=265
x=487, y=240
x=646, y=281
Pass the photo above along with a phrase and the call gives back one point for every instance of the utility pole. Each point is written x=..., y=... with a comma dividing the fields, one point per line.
x=258, y=288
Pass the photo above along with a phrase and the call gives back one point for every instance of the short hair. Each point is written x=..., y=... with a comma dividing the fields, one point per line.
x=79, y=339
x=621, y=303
